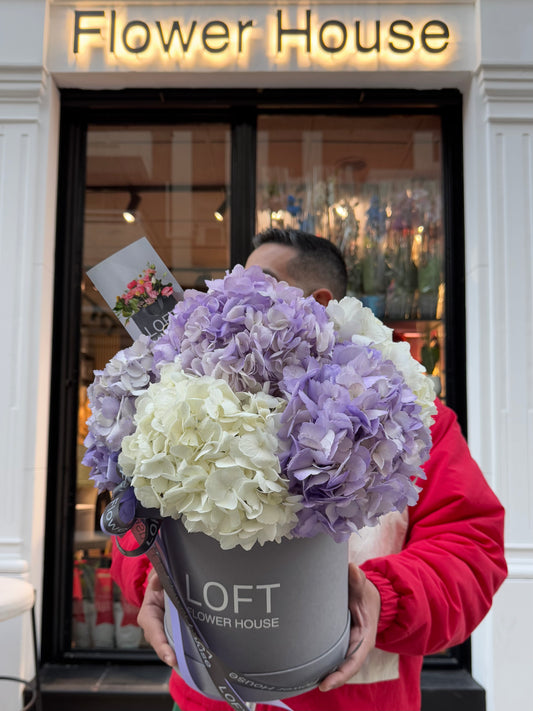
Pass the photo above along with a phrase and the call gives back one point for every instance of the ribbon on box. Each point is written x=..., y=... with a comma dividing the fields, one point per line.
x=122, y=515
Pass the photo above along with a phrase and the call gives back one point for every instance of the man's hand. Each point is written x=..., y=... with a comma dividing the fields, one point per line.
x=150, y=618
x=365, y=606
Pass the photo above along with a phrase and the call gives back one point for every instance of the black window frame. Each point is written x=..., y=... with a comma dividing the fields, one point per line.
x=240, y=109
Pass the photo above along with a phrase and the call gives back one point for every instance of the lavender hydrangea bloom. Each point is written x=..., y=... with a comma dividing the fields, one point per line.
x=245, y=330
x=103, y=464
x=354, y=441
x=112, y=400
x=352, y=429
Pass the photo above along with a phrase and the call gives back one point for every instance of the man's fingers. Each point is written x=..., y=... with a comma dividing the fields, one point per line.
x=351, y=652
x=356, y=655
x=151, y=619
x=364, y=603
x=154, y=633
x=153, y=581
x=356, y=580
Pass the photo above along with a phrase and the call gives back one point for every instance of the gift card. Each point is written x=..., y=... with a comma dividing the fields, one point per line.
x=139, y=288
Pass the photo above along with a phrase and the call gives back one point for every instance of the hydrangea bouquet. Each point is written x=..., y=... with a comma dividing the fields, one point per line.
x=261, y=415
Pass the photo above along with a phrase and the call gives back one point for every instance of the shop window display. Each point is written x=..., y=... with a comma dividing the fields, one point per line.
x=373, y=185
x=178, y=179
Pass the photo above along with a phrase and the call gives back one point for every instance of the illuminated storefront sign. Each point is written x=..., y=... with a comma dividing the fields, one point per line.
x=250, y=37
x=215, y=36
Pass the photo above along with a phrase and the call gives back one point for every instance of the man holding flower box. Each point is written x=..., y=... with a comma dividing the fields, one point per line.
x=419, y=582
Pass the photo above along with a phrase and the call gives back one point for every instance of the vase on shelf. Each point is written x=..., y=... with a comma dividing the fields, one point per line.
x=427, y=305
x=399, y=303
x=429, y=280
x=375, y=302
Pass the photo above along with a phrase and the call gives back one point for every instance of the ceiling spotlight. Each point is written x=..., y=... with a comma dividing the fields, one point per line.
x=130, y=213
x=342, y=211
x=221, y=209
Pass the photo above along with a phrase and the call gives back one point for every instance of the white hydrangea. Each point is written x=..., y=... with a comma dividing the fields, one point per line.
x=210, y=456
x=353, y=321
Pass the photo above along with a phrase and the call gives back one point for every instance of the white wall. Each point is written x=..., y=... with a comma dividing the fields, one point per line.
x=498, y=162
x=28, y=156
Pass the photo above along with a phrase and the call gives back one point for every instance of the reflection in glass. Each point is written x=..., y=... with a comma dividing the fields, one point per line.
x=373, y=186
x=163, y=183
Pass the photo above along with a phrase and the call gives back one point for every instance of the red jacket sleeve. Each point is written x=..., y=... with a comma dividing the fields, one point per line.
x=440, y=586
x=130, y=574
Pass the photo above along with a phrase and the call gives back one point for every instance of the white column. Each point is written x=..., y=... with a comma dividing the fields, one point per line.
x=499, y=284
x=29, y=120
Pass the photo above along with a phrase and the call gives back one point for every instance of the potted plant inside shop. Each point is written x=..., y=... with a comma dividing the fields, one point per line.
x=373, y=273
x=430, y=356
x=402, y=276
x=429, y=280
x=402, y=271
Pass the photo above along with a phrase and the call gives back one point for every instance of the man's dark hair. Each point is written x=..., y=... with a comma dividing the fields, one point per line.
x=318, y=262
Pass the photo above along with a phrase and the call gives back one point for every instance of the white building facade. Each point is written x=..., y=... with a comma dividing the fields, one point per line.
x=47, y=45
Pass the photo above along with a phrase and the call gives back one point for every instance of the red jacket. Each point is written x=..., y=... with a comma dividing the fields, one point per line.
x=433, y=594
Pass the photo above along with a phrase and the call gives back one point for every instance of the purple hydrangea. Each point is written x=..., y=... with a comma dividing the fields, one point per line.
x=354, y=441
x=103, y=463
x=112, y=401
x=245, y=330
x=353, y=435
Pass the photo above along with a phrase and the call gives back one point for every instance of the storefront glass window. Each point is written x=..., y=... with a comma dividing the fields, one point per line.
x=170, y=185
x=372, y=185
